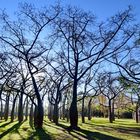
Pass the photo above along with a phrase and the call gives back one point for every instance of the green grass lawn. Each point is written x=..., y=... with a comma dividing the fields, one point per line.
x=96, y=129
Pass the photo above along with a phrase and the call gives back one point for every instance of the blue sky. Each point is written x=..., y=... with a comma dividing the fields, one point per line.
x=101, y=8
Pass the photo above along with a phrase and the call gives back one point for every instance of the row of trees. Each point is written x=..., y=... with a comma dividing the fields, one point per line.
x=60, y=54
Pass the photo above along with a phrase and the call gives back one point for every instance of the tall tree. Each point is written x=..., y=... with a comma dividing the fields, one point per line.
x=84, y=44
x=110, y=88
x=23, y=38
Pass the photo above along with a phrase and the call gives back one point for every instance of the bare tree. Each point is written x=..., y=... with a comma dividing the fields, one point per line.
x=23, y=38
x=84, y=44
x=59, y=84
x=111, y=88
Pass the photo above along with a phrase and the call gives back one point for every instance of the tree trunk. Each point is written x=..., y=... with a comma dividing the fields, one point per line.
x=38, y=115
x=31, y=116
x=26, y=110
x=110, y=112
x=13, y=109
x=67, y=113
x=83, y=110
x=6, y=112
x=73, y=107
x=60, y=113
x=55, y=114
x=1, y=111
x=118, y=115
x=16, y=110
x=63, y=109
x=50, y=112
x=113, y=113
x=39, y=112
x=20, y=107
x=137, y=117
x=89, y=109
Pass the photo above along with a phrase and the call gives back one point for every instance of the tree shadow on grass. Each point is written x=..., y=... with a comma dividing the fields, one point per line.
x=11, y=129
x=128, y=130
x=40, y=134
x=97, y=135
x=55, y=126
x=31, y=124
x=90, y=135
x=5, y=124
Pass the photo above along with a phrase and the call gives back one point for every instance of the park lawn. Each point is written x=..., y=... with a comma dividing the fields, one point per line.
x=96, y=129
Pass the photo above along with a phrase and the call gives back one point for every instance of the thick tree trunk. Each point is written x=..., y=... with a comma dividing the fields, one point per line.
x=1, y=111
x=67, y=111
x=50, y=112
x=26, y=110
x=113, y=113
x=55, y=114
x=6, y=112
x=60, y=113
x=73, y=115
x=137, y=117
x=63, y=109
x=38, y=115
x=16, y=110
x=73, y=107
x=83, y=110
x=110, y=112
x=67, y=115
x=31, y=116
x=20, y=107
x=13, y=109
x=35, y=116
x=39, y=111
x=89, y=109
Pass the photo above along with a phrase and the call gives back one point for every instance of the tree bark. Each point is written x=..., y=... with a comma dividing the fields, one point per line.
x=55, y=114
x=67, y=115
x=26, y=110
x=16, y=110
x=60, y=113
x=38, y=115
x=137, y=117
x=20, y=107
x=89, y=109
x=50, y=112
x=63, y=109
x=110, y=112
x=113, y=113
x=13, y=109
x=1, y=111
x=6, y=112
x=31, y=116
x=39, y=112
x=73, y=107
x=83, y=110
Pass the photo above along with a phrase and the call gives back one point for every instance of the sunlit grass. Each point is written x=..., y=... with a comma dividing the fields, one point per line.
x=121, y=128
x=96, y=129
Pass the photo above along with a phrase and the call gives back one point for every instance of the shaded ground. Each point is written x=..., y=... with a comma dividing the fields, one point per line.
x=96, y=129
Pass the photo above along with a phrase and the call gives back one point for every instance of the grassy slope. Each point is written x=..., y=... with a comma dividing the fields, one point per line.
x=96, y=129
